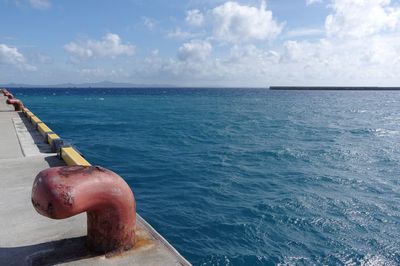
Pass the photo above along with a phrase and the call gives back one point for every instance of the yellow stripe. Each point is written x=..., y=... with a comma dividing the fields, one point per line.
x=51, y=138
x=68, y=154
x=29, y=114
x=43, y=129
x=72, y=157
x=35, y=120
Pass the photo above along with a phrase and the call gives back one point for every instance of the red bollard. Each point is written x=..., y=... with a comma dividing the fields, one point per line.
x=62, y=192
x=18, y=105
x=5, y=91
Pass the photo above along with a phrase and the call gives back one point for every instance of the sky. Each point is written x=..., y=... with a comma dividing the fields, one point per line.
x=244, y=43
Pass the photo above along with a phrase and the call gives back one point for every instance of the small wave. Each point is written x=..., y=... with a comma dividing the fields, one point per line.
x=377, y=260
x=362, y=131
x=357, y=111
x=348, y=260
x=294, y=260
x=381, y=132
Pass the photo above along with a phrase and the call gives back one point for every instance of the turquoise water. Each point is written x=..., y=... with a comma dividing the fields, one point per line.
x=247, y=176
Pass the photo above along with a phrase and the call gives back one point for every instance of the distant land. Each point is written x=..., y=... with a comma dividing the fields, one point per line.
x=116, y=85
x=333, y=88
x=102, y=84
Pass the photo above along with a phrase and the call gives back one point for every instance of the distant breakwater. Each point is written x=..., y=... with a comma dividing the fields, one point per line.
x=332, y=88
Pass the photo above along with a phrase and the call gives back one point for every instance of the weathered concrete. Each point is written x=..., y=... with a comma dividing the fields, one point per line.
x=27, y=238
x=10, y=147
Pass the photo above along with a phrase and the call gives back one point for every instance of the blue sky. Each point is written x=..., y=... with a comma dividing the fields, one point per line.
x=201, y=43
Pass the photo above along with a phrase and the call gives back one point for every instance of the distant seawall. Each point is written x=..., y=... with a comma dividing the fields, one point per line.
x=331, y=88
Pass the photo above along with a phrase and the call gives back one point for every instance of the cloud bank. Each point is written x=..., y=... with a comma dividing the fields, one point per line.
x=231, y=43
x=233, y=22
x=40, y=4
x=10, y=56
x=109, y=47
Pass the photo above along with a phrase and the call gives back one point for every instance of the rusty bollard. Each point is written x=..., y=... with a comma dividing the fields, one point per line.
x=5, y=91
x=62, y=192
x=16, y=103
x=9, y=95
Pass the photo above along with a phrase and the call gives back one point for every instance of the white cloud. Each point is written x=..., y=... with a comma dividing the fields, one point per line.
x=178, y=33
x=195, y=17
x=360, y=46
x=344, y=62
x=93, y=74
x=194, y=50
x=250, y=60
x=322, y=62
x=311, y=2
x=233, y=22
x=362, y=18
x=11, y=56
x=149, y=23
x=305, y=32
x=40, y=4
x=39, y=58
x=109, y=47
x=243, y=65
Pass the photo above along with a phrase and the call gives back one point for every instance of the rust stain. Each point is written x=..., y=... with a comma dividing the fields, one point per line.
x=34, y=203
x=143, y=239
x=67, y=171
x=66, y=194
x=142, y=242
x=50, y=209
x=101, y=169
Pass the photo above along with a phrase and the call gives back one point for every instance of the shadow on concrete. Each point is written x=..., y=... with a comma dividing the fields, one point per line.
x=53, y=161
x=38, y=139
x=50, y=253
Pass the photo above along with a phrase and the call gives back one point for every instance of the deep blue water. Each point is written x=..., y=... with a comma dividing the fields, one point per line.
x=247, y=176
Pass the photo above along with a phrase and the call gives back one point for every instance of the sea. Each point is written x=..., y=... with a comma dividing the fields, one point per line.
x=247, y=176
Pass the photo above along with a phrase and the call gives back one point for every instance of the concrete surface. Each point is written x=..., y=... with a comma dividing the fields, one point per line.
x=27, y=238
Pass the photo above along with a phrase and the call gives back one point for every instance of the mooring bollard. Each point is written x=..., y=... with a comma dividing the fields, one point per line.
x=62, y=192
x=18, y=105
x=9, y=95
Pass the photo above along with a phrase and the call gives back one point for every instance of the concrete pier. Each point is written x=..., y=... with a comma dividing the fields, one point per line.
x=27, y=238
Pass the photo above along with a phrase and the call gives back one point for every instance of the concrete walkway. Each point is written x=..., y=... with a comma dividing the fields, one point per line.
x=27, y=238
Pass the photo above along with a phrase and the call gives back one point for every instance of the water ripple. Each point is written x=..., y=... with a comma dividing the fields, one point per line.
x=248, y=177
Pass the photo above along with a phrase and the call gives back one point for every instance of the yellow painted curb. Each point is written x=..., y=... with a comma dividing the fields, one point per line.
x=43, y=129
x=52, y=137
x=72, y=157
x=35, y=120
x=25, y=110
x=29, y=114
